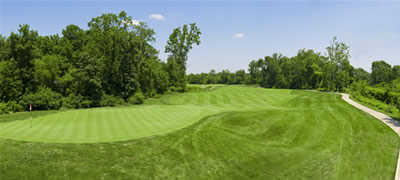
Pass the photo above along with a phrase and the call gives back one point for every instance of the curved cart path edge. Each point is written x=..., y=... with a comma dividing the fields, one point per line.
x=395, y=125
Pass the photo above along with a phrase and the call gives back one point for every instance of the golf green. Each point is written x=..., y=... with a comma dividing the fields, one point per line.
x=101, y=124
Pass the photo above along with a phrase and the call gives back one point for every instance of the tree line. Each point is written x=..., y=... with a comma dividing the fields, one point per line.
x=223, y=77
x=112, y=62
x=307, y=70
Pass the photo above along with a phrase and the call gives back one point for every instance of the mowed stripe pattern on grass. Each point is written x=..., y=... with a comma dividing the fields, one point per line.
x=101, y=124
x=232, y=96
x=235, y=132
x=124, y=123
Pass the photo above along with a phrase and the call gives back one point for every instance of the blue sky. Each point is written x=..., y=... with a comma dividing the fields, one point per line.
x=234, y=32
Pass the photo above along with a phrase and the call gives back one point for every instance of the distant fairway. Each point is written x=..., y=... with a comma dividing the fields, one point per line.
x=226, y=132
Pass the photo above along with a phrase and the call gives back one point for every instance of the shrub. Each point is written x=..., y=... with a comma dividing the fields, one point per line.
x=72, y=101
x=86, y=103
x=137, y=98
x=151, y=93
x=391, y=109
x=14, y=106
x=43, y=99
x=109, y=100
x=4, y=108
x=9, y=107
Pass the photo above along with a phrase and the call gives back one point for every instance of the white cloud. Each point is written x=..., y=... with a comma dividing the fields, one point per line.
x=238, y=35
x=157, y=17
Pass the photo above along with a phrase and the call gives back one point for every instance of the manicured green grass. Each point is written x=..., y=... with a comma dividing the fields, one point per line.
x=230, y=132
x=102, y=124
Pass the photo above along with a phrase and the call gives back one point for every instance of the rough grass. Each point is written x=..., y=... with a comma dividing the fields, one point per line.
x=377, y=105
x=237, y=133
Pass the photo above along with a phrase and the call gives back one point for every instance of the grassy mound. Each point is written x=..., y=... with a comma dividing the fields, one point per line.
x=237, y=133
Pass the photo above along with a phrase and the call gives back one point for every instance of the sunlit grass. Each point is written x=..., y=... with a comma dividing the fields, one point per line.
x=230, y=132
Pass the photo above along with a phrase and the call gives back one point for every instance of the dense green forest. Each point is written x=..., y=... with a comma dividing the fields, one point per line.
x=112, y=62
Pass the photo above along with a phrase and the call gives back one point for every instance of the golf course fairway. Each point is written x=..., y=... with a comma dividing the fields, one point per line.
x=222, y=132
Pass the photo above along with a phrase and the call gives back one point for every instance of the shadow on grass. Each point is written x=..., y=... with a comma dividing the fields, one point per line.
x=20, y=116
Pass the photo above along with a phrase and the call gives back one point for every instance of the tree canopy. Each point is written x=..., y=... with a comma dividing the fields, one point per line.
x=180, y=42
x=111, y=62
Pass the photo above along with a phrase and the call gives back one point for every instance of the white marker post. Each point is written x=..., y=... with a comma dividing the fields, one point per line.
x=30, y=110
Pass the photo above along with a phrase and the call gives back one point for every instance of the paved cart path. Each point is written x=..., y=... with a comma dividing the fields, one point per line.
x=395, y=125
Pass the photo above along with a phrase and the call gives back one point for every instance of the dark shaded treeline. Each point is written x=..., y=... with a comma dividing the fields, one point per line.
x=223, y=77
x=112, y=62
